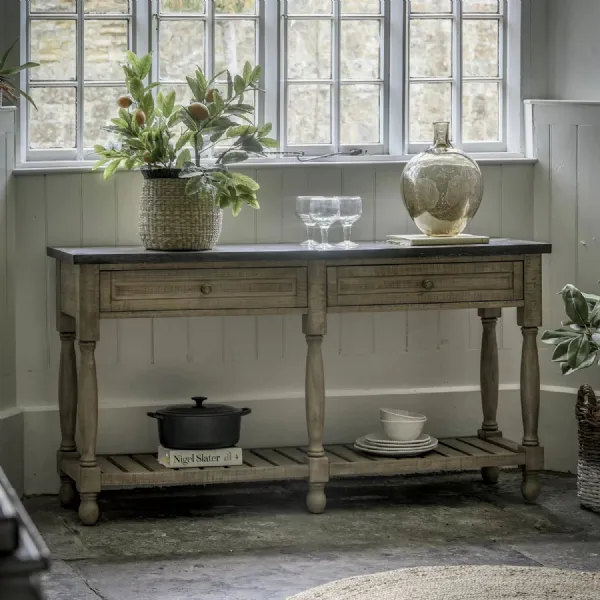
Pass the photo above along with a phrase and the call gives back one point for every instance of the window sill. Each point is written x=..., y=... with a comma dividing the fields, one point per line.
x=65, y=167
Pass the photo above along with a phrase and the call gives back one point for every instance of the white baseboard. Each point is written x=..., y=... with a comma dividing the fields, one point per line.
x=12, y=446
x=281, y=422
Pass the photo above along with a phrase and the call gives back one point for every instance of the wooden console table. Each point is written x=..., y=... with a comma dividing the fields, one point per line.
x=109, y=283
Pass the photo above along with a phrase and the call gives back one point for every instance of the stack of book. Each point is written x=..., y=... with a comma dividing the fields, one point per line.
x=181, y=459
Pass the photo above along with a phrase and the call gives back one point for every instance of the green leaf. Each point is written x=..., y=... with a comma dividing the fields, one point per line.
x=194, y=186
x=183, y=140
x=556, y=336
x=269, y=142
x=578, y=351
x=133, y=59
x=28, y=98
x=239, y=85
x=251, y=201
x=188, y=120
x=256, y=73
x=153, y=85
x=5, y=55
x=234, y=157
x=147, y=105
x=265, y=129
x=561, y=351
x=229, y=86
x=251, y=144
x=247, y=108
x=144, y=66
x=239, y=130
x=99, y=163
x=566, y=369
x=201, y=79
x=136, y=88
x=595, y=315
x=111, y=168
x=237, y=207
x=197, y=90
x=184, y=157
x=576, y=306
x=98, y=149
x=246, y=181
x=15, y=70
x=247, y=72
x=218, y=100
x=175, y=117
x=169, y=103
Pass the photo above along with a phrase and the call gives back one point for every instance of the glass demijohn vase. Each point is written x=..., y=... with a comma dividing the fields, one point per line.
x=442, y=187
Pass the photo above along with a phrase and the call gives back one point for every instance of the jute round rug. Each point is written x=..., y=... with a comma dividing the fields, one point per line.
x=463, y=583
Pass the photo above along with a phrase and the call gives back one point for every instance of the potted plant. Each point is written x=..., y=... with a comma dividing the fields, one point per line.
x=182, y=200
x=577, y=346
x=7, y=88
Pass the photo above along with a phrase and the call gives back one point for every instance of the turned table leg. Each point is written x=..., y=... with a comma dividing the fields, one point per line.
x=67, y=406
x=89, y=483
x=314, y=326
x=529, y=318
x=489, y=380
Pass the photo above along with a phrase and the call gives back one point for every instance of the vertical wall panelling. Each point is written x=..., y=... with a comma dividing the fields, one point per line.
x=390, y=217
x=134, y=336
x=99, y=228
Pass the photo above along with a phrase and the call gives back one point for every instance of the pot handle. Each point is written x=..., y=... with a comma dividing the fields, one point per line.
x=199, y=400
x=246, y=411
x=154, y=415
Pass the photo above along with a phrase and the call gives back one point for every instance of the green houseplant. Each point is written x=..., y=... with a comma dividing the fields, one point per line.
x=6, y=73
x=184, y=191
x=577, y=346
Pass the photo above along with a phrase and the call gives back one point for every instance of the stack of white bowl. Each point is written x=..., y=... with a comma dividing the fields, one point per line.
x=402, y=435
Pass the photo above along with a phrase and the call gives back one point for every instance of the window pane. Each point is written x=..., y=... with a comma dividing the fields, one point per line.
x=430, y=48
x=181, y=48
x=235, y=43
x=234, y=7
x=106, y=44
x=53, y=6
x=106, y=6
x=360, y=116
x=480, y=6
x=99, y=107
x=481, y=111
x=309, y=114
x=431, y=6
x=53, y=46
x=361, y=6
x=480, y=48
x=53, y=124
x=429, y=102
x=309, y=49
x=360, y=49
x=182, y=6
x=303, y=7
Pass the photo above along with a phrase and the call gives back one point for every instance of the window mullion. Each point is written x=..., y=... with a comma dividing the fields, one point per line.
x=396, y=75
x=209, y=39
x=457, y=74
x=268, y=57
x=336, y=75
x=79, y=80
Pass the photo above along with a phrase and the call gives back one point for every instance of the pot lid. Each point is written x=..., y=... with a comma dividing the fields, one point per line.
x=199, y=409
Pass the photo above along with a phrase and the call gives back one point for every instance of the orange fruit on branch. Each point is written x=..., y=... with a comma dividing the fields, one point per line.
x=124, y=101
x=198, y=111
x=140, y=117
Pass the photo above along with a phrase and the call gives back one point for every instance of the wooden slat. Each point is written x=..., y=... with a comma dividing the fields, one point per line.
x=334, y=458
x=349, y=455
x=296, y=455
x=506, y=444
x=466, y=448
x=274, y=457
x=483, y=445
x=127, y=463
x=106, y=466
x=447, y=451
x=372, y=457
x=253, y=460
x=149, y=462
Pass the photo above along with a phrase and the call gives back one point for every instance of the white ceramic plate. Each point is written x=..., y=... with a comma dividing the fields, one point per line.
x=399, y=453
x=381, y=439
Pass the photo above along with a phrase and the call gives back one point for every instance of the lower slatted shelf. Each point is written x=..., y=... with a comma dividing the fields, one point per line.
x=271, y=464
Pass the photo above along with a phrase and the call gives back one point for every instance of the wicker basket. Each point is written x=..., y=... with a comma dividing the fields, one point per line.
x=588, y=466
x=172, y=220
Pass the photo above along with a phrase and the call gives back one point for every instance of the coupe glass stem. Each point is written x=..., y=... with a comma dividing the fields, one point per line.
x=347, y=231
x=324, y=235
x=309, y=232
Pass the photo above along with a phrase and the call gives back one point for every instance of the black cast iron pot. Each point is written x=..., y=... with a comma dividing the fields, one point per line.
x=200, y=427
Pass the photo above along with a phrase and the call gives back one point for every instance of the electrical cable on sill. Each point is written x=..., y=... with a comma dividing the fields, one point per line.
x=301, y=157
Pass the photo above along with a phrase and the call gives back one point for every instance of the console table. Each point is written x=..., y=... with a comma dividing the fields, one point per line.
x=112, y=283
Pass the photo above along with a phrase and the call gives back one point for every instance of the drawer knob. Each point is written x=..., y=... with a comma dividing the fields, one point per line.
x=428, y=284
x=206, y=289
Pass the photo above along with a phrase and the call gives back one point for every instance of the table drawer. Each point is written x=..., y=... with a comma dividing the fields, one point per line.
x=202, y=289
x=425, y=283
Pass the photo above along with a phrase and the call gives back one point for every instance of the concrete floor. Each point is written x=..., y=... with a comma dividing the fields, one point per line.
x=258, y=543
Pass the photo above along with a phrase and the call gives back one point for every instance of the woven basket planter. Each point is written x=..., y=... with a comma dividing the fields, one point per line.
x=588, y=465
x=172, y=220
